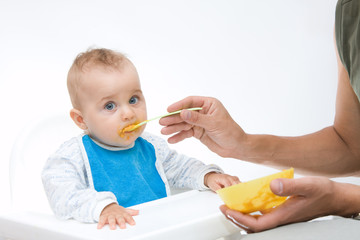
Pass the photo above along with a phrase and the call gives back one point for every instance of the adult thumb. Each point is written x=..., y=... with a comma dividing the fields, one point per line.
x=195, y=118
x=284, y=187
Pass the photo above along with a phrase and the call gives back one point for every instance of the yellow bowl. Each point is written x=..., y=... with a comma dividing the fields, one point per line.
x=255, y=195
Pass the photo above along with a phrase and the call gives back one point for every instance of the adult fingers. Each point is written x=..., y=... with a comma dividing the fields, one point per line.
x=181, y=136
x=170, y=120
x=176, y=128
x=225, y=210
x=255, y=223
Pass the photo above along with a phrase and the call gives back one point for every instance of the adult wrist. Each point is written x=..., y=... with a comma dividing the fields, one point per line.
x=240, y=146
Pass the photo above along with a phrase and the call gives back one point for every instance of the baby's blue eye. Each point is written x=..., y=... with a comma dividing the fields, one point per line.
x=110, y=106
x=133, y=100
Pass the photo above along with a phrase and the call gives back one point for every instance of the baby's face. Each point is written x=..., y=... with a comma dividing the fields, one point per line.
x=111, y=100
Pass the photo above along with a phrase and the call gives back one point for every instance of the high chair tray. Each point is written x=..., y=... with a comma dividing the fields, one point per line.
x=189, y=215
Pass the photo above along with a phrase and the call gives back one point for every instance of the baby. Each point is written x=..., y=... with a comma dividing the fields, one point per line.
x=96, y=176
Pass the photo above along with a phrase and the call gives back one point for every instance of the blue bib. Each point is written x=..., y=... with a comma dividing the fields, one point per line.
x=130, y=174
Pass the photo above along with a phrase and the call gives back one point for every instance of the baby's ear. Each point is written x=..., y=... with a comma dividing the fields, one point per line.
x=78, y=119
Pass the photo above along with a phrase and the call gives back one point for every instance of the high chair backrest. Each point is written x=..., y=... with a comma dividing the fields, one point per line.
x=30, y=151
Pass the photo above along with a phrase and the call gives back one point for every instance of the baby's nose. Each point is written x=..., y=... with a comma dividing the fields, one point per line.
x=127, y=114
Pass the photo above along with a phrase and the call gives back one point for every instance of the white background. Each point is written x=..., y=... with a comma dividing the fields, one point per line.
x=271, y=63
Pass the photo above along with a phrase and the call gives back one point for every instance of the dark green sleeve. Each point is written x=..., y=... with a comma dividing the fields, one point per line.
x=347, y=34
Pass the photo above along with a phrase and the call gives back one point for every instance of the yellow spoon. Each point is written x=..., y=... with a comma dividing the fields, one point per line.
x=132, y=127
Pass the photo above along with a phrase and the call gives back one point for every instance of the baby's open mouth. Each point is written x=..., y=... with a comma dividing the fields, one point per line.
x=128, y=129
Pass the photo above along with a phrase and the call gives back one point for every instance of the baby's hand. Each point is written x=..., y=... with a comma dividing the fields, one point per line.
x=216, y=181
x=114, y=214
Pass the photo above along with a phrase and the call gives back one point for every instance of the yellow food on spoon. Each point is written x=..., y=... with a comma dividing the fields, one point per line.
x=255, y=195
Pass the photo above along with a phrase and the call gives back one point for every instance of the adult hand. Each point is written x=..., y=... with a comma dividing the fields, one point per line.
x=311, y=197
x=212, y=125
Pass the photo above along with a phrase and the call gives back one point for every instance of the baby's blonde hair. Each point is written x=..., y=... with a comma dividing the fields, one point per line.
x=93, y=57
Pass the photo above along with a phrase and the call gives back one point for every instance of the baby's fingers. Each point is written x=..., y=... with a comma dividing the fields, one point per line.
x=112, y=222
x=102, y=222
x=235, y=180
x=121, y=222
x=129, y=219
x=128, y=216
x=132, y=212
x=226, y=183
x=229, y=181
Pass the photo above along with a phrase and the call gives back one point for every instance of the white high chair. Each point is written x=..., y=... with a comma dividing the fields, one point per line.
x=188, y=215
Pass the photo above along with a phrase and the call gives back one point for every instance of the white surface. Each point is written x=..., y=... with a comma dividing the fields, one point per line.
x=191, y=215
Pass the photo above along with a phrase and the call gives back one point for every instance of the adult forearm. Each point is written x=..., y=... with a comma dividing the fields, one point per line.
x=322, y=152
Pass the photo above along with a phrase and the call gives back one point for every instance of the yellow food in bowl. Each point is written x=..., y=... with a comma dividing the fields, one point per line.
x=255, y=195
